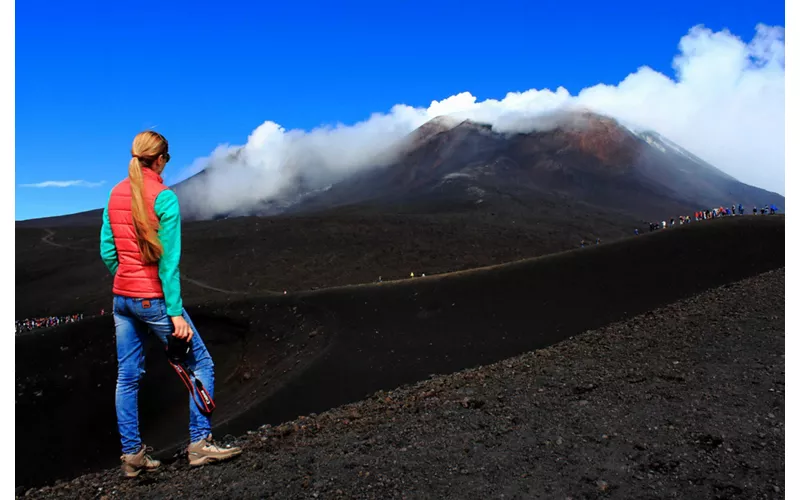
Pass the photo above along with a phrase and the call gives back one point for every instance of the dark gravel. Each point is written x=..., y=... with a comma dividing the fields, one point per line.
x=686, y=401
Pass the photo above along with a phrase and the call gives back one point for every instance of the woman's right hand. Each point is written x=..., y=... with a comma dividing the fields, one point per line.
x=182, y=328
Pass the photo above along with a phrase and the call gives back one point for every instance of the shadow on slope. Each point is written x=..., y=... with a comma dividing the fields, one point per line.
x=278, y=357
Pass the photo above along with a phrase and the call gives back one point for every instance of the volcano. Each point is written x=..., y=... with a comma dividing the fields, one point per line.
x=582, y=158
x=571, y=159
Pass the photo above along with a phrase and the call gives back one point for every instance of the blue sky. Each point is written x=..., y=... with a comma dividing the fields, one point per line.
x=89, y=76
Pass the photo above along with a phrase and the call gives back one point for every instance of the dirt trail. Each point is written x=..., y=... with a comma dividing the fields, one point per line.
x=209, y=287
x=48, y=239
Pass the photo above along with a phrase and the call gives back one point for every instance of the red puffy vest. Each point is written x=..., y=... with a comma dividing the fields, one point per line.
x=133, y=277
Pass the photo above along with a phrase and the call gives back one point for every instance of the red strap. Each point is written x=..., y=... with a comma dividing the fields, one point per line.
x=205, y=403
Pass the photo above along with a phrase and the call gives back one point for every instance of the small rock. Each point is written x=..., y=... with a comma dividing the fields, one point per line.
x=559, y=441
x=472, y=403
x=602, y=485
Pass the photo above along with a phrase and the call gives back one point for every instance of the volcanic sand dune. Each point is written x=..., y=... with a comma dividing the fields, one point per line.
x=278, y=356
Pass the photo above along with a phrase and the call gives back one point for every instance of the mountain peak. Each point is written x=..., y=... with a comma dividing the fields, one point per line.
x=433, y=127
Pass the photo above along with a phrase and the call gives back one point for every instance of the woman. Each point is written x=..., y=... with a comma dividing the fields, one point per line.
x=140, y=242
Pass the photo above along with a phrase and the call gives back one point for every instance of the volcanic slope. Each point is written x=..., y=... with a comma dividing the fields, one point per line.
x=686, y=401
x=279, y=356
x=59, y=271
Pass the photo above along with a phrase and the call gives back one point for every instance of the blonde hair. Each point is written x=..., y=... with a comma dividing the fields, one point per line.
x=147, y=147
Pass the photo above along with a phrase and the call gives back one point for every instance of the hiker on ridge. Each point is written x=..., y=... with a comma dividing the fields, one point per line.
x=140, y=243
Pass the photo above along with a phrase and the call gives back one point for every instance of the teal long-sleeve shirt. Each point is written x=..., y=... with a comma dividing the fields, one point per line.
x=169, y=233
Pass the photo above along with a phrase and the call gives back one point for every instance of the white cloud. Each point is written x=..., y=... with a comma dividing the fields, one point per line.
x=726, y=105
x=64, y=184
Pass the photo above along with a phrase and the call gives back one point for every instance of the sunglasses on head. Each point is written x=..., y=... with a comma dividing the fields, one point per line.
x=166, y=157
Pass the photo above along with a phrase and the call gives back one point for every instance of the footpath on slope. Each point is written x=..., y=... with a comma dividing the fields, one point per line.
x=50, y=234
x=686, y=401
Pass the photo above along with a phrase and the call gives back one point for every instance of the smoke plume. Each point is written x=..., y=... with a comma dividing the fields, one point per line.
x=726, y=105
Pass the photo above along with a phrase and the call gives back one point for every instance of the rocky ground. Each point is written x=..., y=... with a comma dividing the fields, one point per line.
x=686, y=401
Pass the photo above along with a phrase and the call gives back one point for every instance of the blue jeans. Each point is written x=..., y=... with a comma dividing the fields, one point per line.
x=133, y=320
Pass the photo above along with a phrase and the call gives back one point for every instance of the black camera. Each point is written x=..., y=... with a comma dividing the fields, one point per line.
x=177, y=349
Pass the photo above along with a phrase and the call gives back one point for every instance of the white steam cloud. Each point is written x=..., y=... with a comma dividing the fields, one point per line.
x=726, y=106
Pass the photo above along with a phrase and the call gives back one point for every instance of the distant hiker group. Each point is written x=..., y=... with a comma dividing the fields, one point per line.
x=26, y=325
x=699, y=215
x=710, y=214
x=411, y=276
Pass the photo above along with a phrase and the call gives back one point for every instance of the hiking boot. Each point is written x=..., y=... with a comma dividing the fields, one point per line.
x=206, y=451
x=134, y=463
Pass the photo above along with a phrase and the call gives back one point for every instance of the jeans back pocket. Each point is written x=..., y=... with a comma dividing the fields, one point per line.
x=151, y=309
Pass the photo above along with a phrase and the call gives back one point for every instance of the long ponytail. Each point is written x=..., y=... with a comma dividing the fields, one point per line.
x=146, y=148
